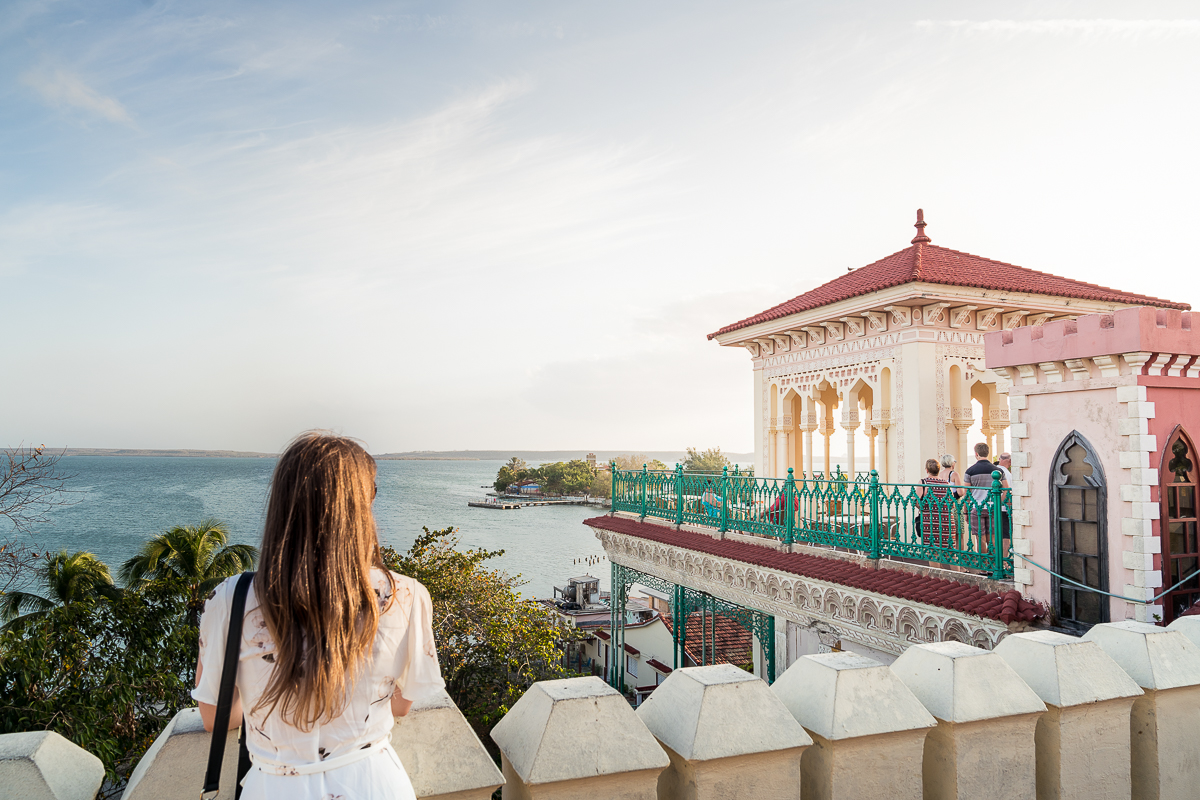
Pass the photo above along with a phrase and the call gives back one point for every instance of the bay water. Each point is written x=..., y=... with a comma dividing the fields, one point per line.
x=121, y=501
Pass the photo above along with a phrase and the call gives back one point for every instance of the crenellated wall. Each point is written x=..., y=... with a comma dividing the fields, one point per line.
x=1111, y=715
x=1125, y=381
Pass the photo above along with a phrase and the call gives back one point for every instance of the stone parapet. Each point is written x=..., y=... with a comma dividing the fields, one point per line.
x=724, y=731
x=868, y=728
x=983, y=744
x=441, y=754
x=1083, y=738
x=577, y=739
x=41, y=765
x=1164, y=745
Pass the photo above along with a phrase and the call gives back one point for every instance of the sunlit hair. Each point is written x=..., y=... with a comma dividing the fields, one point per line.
x=948, y=460
x=314, y=576
x=933, y=466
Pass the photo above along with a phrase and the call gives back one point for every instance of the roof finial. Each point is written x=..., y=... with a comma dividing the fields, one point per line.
x=920, y=226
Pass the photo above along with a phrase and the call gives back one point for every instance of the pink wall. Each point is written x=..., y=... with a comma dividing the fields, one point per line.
x=1130, y=330
x=1052, y=417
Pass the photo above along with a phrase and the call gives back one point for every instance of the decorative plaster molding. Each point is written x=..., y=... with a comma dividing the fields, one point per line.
x=961, y=315
x=1136, y=361
x=986, y=318
x=799, y=338
x=1160, y=361
x=837, y=330
x=816, y=335
x=1012, y=319
x=876, y=321
x=1109, y=366
x=933, y=313
x=885, y=623
x=1054, y=373
x=901, y=315
x=768, y=346
x=783, y=343
x=754, y=349
x=1079, y=369
x=1037, y=320
x=855, y=326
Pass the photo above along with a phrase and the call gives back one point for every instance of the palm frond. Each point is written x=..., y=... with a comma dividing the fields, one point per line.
x=14, y=604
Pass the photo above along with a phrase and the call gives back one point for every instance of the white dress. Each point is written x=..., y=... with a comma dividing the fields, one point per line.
x=288, y=761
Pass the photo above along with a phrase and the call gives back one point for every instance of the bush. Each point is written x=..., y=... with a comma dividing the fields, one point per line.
x=106, y=674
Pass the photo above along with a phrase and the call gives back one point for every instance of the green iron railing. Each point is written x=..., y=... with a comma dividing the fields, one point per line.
x=954, y=526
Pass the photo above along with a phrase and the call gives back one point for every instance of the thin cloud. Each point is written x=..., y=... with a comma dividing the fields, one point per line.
x=1068, y=27
x=62, y=88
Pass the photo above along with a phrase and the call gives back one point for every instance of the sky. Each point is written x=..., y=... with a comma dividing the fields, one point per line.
x=465, y=225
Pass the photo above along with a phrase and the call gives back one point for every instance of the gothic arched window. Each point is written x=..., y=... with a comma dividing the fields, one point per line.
x=1078, y=533
x=1178, y=487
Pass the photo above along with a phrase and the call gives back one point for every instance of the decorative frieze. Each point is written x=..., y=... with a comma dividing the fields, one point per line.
x=933, y=313
x=855, y=326
x=986, y=318
x=885, y=623
x=901, y=315
x=961, y=316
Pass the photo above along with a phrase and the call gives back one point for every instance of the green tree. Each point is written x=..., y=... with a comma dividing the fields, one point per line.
x=492, y=644
x=106, y=674
x=64, y=578
x=710, y=460
x=195, y=558
x=516, y=465
x=601, y=484
x=636, y=461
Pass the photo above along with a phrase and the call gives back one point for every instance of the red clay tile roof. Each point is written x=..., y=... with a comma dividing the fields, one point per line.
x=633, y=651
x=658, y=665
x=928, y=263
x=950, y=594
x=734, y=645
x=603, y=635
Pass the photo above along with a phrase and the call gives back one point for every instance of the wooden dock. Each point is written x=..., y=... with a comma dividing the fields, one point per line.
x=500, y=506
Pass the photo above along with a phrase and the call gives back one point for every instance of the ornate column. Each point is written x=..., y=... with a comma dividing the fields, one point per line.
x=781, y=447
x=808, y=424
x=962, y=420
x=850, y=422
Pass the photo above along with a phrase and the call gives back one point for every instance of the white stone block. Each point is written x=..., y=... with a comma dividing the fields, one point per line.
x=721, y=727
x=1083, y=739
x=173, y=767
x=1135, y=494
x=544, y=756
x=869, y=728
x=1132, y=459
x=986, y=720
x=1016, y=402
x=1018, y=430
x=1165, y=750
x=1144, y=544
x=1143, y=509
x=1022, y=546
x=1143, y=477
x=1149, y=579
x=1133, y=427
x=1156, y=658
x=1020, y=488
x=1136, y=527
x=1021, y=460
x=1021, y=517
x=1143, y=442
x=42, y=765
x=1131, y=394
x=1023, y=576
x=1189, y=626
x=1137, y=592
x=1151, y=614
x=1140, y=409
x=441, y=753
x=1135, y=560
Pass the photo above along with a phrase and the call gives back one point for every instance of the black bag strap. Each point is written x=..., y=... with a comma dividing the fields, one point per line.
x=233, y=646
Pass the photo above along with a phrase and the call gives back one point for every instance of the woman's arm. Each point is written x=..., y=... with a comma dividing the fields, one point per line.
x=400, y=706
x=208, y=712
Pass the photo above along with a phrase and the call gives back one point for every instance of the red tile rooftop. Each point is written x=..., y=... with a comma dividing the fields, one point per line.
x=928, y=263
x=660, y=666
x=949, y=594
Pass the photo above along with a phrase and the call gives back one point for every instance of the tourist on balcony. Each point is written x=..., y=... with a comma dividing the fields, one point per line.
x=711, y=500
x=979, y=476
x=937, y=507
x=334, y=646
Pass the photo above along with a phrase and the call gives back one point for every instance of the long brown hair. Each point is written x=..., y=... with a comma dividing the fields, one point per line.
x=314, y=577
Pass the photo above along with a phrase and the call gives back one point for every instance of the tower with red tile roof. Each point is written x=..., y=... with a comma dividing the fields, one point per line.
x=895, y=348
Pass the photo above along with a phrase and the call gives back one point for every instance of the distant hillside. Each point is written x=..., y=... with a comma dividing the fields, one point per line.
x=665, y=456
x=99, y=451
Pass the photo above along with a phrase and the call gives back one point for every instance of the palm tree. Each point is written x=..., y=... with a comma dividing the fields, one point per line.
x=199, y=556
x=65, y=578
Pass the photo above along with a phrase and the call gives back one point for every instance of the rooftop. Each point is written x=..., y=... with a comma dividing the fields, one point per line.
x=925, y=262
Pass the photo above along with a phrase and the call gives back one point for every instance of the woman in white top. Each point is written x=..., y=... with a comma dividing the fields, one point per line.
x=333, y=647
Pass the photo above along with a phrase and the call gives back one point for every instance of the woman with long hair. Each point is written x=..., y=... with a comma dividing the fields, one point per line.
x=334, y=646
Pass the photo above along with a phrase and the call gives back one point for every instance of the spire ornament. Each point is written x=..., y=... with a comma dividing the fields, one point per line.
x=920, y=226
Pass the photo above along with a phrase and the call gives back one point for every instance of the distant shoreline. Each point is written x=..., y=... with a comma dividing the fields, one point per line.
x=602, y=456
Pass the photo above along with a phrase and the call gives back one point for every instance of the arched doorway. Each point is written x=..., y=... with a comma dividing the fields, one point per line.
x=1178, y=475
x=1078, y=533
